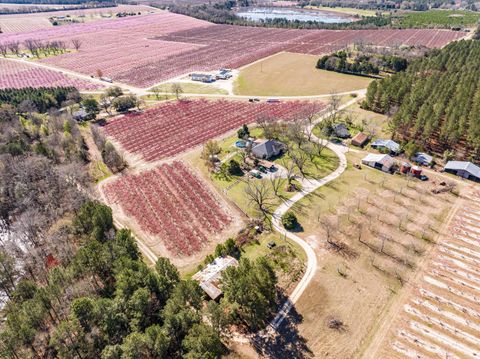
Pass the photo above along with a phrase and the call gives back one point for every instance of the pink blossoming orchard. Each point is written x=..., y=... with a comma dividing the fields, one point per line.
x=172, y=206
x=174, y=127
x=146, y=50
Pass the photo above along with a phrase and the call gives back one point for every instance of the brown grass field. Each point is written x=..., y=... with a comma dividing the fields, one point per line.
x=380, y=229
x=288, y=74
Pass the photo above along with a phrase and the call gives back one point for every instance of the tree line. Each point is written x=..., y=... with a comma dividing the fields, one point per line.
x=361, y=64
x=36, y=9
x=104, y=301
x=223, y=13
x=436, y=101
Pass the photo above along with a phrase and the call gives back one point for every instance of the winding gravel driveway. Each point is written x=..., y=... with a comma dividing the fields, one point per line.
x=308, y=186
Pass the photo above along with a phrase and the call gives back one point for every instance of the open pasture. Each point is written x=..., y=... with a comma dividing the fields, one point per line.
x=169, y=204
x=174, y=127
x=18, y=75
x=441, y=317
x=288, y=74
x=143, y=51
x=371, y=231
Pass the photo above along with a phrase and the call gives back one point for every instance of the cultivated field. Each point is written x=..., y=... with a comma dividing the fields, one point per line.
x=149, y=49
x=18, y=75
x=370, y=231
x=174, y=211
x=14, y=23
x=441, y=317
x=174, y=127
x=288, y=74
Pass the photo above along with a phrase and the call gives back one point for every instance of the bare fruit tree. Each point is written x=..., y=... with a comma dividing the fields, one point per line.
x=14, y=47
x=76, y=44
x=177, y=90
x=3, y=50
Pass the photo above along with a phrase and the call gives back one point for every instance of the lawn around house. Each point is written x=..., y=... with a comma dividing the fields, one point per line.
x=288, y=74
x=358, y=120
x=234, y=186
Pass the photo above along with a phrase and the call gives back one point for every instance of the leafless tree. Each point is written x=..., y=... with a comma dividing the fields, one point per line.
x=333, y=107
x=62, y=46
x=329, y=228
x=14, y=47
x=31, y=46
x=177, y=90
x=295, y=133
x=277, y=183
x=77, y=43
x=259, y=195
x=3, y=49
x=384, y=238
x=105, y=103
x=300, y=160
x=269, y=126
x=157, y=91
x=290, y=172
x=319, y=147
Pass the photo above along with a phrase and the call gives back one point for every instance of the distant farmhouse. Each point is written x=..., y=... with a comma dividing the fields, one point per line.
x=382, y=162
x=464, y=169
x=210, y=277
x=268, y=149
x=389, y=146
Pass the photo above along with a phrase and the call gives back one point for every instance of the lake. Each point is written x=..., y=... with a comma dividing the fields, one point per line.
x=258, y=14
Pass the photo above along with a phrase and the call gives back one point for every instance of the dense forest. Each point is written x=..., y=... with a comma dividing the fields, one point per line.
x=417, y=5
x=436, y=102
x=74, y=286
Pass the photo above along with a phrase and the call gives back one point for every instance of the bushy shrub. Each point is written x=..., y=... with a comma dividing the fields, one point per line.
x=289, y=220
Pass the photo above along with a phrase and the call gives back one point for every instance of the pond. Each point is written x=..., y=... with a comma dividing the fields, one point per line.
x=258, y=14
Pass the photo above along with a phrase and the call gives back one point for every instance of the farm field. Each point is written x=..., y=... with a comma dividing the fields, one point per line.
x=288, y=74
x=174, y=127
x=17, y=75
x=176, y=213
x=161, y=46
x=370, y=231
x=441, y=316
x=14, y=23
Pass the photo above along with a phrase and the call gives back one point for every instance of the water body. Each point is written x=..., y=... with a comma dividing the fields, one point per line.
x=258, y=14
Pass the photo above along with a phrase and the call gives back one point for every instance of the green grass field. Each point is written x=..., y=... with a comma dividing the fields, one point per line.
x=288, y=74
x=438, y=18
x=195, y=88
